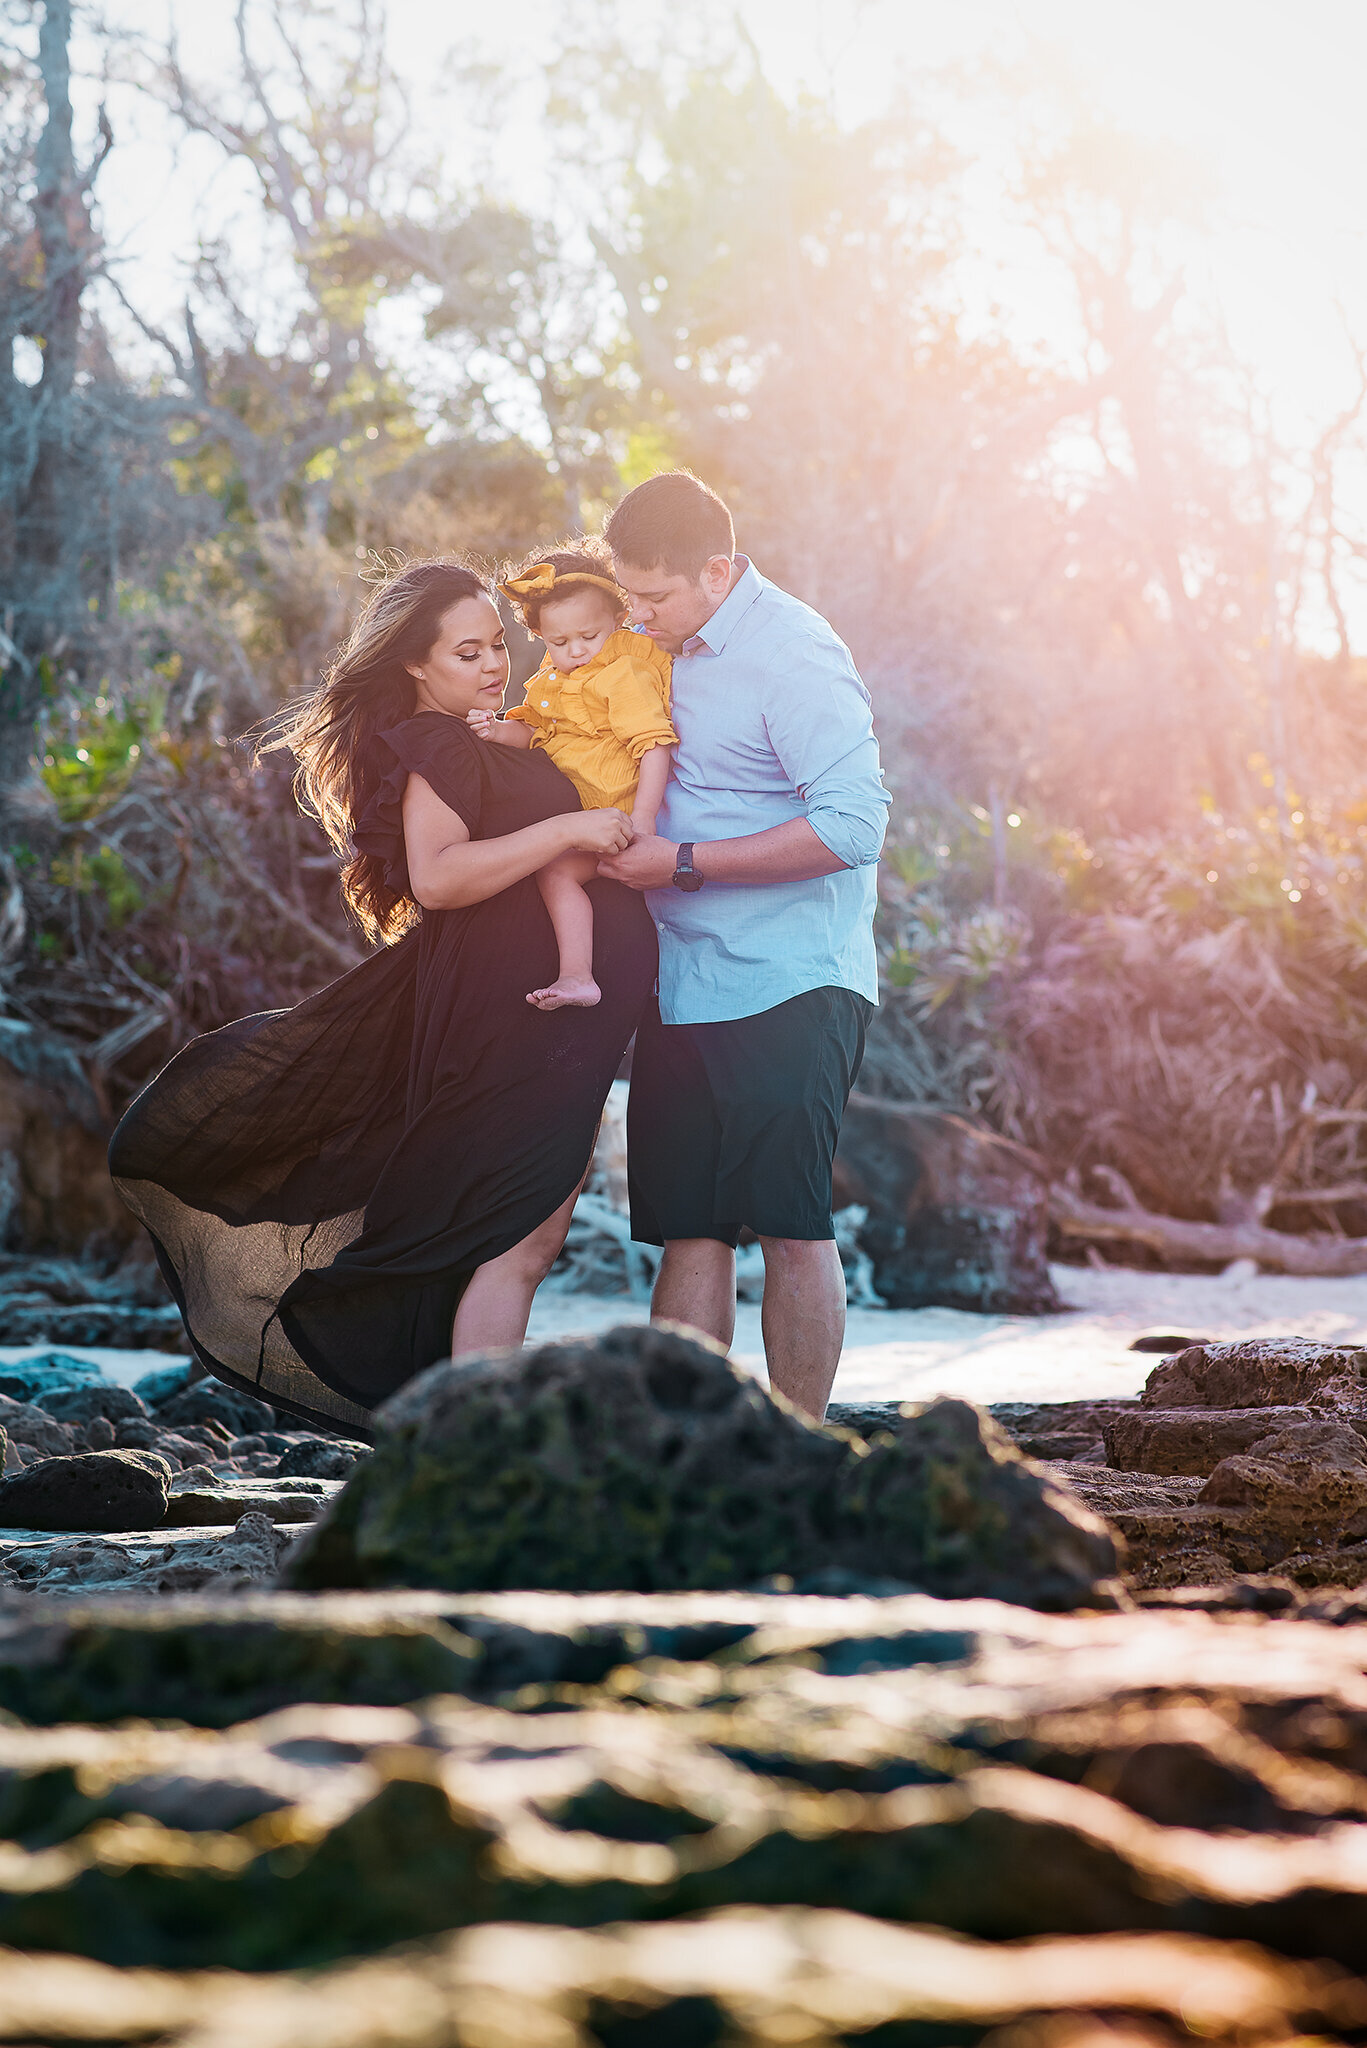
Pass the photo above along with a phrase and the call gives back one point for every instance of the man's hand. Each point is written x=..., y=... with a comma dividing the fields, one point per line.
x=648, y=863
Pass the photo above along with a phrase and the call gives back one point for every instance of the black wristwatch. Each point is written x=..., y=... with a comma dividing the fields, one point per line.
x=685, y=875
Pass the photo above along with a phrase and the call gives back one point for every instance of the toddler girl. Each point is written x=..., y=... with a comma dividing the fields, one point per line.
x=599, y=705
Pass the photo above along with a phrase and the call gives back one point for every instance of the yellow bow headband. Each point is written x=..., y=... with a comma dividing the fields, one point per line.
x=545, y=580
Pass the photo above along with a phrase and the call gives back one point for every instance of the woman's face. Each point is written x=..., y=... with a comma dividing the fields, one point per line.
x=466, y=667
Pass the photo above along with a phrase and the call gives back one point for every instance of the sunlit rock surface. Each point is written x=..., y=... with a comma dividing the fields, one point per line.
x=969, y=1765
x=737, y=1978
x=1240, y=1460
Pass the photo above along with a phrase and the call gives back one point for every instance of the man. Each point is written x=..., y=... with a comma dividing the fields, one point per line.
x=762, y=882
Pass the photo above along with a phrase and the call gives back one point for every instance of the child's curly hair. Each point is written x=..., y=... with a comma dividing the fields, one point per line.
x=587, y=564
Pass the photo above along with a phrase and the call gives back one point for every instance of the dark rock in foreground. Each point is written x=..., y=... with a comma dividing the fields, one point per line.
x=649, y=1461
x=108, y=1490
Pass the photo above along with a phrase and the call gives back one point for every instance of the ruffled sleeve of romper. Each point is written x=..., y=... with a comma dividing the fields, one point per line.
x=445, y=752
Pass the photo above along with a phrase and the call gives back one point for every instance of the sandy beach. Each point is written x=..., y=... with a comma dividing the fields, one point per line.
x=911, y=1354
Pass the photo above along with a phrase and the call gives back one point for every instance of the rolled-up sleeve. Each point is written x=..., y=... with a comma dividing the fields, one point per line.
x=820, y=724
x=635, y=705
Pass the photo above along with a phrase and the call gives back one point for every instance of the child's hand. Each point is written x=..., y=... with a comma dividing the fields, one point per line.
x=482, y=723
x=643, y=824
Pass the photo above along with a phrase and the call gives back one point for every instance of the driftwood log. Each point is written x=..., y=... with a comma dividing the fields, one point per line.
x=1180, y=1241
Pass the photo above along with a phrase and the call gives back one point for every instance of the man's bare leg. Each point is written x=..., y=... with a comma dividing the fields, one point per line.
x=494, y=1308
x=696, y=1284
x=803, y=1318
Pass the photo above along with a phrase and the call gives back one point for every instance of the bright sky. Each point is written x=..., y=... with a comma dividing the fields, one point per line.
x=1267, y=92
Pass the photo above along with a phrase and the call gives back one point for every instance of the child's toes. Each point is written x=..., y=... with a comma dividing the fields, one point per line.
x=567, y=995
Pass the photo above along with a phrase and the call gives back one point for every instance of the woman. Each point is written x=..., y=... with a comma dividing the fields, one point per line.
x=344, y=1192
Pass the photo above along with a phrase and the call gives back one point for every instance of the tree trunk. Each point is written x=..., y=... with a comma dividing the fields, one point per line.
x=44, y=598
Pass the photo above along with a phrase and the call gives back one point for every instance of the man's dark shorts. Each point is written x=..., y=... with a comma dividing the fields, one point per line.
x=734, y=1125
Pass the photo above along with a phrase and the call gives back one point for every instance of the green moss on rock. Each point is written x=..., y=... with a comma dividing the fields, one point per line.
x=649, y=1462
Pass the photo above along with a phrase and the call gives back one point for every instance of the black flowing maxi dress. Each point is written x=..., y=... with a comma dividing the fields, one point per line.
x=320, y=1183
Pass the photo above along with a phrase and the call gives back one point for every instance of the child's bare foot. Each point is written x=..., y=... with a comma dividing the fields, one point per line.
x=571, y=992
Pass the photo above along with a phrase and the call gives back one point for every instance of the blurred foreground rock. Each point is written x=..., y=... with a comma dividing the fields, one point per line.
x=971, y=1766
x=745, y=1978
x=648, y=1460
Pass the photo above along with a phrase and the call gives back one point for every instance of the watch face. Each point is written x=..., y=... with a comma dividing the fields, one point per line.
x=688, y=881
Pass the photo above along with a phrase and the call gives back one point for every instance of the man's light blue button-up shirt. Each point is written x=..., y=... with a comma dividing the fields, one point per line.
x=773, y=724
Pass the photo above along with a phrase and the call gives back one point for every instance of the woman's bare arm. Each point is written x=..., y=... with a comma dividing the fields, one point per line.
x=449, y=870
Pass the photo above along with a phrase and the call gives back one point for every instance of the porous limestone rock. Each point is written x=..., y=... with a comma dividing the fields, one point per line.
x=647, y=1460
x=1310, y=1477
x=1191, y=1441
x=164, y=1562
x=1265, y=1372
x=97, y=1490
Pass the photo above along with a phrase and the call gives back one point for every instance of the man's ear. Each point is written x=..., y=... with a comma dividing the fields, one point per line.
x=716, y=574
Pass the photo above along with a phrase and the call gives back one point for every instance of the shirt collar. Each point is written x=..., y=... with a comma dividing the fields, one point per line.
x=732, y=609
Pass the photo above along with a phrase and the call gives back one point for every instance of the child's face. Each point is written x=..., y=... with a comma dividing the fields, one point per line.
x=575, y=626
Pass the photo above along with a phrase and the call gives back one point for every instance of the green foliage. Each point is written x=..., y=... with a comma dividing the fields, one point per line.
x=89, y=760
x=101, y=873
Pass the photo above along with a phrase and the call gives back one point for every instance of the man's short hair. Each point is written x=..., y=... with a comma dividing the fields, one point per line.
x=671, y=522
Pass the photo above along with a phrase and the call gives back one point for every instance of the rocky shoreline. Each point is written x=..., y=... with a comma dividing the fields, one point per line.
x=287, y=1766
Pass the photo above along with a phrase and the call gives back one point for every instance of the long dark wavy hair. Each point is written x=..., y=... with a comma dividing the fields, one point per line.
x=366, y=689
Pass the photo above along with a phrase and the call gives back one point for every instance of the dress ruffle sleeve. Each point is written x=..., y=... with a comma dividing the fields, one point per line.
x=444, y=752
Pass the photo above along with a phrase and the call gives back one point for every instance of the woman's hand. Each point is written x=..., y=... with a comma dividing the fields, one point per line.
x=599, y=832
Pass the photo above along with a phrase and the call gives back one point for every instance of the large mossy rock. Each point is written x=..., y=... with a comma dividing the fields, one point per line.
x=648, y=1461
